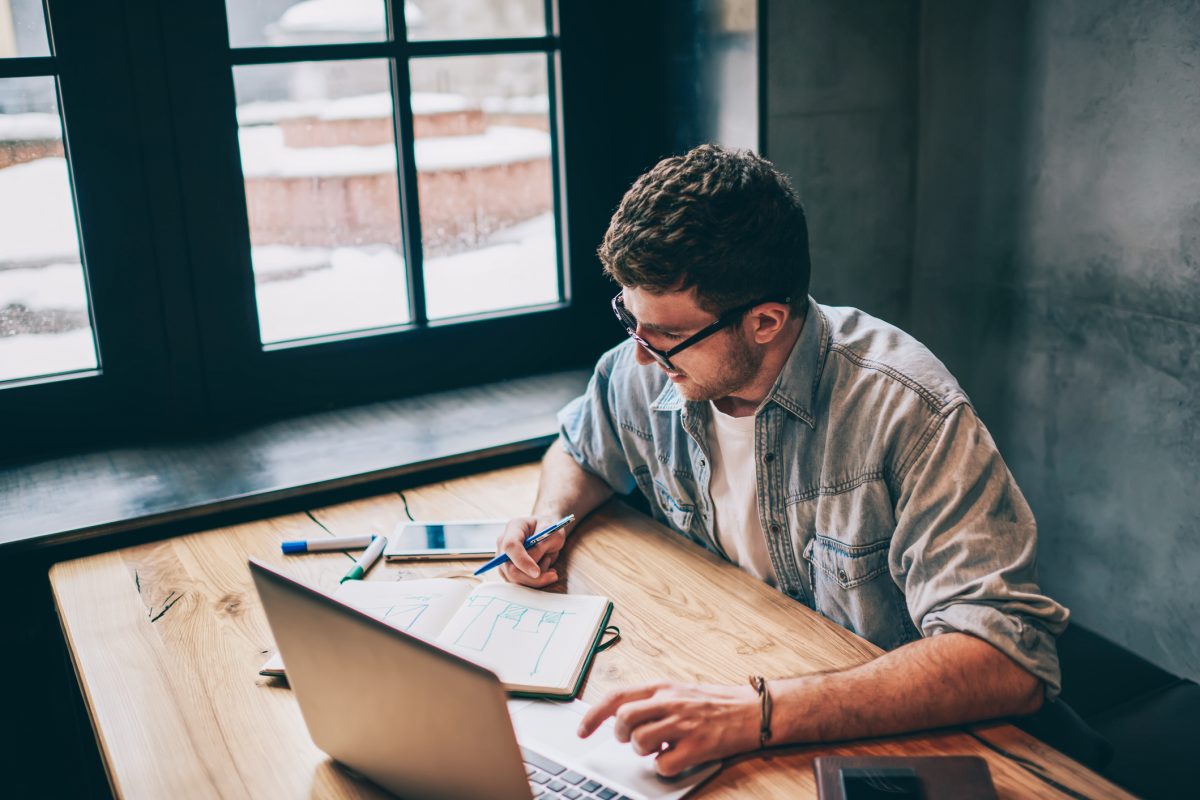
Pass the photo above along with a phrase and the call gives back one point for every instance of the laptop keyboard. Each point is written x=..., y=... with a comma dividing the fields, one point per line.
x=549, y=779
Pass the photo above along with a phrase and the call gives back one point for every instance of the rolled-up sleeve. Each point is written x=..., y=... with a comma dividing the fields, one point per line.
x=965, y=548
x=588, y=433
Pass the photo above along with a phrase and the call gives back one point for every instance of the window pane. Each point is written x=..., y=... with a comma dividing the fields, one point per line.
x=23, y=29
x=485, y=183
x=319, y=158
x=261, y=23
x=45, y=324
x=475, y=19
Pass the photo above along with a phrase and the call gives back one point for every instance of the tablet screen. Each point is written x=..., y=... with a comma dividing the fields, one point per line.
x=447, y=538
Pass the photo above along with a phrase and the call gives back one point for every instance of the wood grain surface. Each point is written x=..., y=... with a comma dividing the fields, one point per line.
x=167, y=638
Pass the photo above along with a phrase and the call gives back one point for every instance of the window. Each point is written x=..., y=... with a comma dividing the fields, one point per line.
x=323, y=166
x=81, y=351
x=45, y=315
x=334, y=248
x=254, y=208
x=322, y=197
x=390, y=211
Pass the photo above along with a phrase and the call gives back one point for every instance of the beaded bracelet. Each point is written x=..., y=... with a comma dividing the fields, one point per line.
x=764, y=695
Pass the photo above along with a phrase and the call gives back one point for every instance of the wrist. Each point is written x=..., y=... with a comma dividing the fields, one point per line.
x=751, y=720
x=763, y=705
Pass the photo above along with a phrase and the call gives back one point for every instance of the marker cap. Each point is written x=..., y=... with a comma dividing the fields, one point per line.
x=290, y=548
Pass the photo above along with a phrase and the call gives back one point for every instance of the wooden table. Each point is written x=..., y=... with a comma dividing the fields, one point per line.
x=167, y=638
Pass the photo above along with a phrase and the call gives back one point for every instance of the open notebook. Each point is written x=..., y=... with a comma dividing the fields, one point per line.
x=538, y=643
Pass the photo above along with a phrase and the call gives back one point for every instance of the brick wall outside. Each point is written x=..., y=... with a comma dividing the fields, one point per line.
x=459, y=208
x=19, y=152
x=311, y=132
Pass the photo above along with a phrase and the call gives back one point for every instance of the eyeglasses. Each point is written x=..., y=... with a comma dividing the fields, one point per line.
x=663, y=357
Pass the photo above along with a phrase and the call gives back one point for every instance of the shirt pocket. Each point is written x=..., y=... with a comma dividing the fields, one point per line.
x=852, y=586
x=670, y=503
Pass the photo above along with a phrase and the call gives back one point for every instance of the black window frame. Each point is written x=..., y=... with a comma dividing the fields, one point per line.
x=129, y=387
x=155, y=194
x=248, y=380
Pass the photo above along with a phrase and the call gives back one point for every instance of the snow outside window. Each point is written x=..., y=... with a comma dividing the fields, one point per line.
x=485, y=183
x=45, y=321
x=23, y=29
x=322, y=195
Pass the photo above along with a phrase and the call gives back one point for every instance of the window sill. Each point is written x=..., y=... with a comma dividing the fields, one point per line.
x=70, y=499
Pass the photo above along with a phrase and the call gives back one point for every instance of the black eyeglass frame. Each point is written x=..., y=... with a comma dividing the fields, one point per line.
x=663, y=357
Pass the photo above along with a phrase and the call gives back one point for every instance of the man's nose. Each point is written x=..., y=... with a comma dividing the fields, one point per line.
x=643, y=357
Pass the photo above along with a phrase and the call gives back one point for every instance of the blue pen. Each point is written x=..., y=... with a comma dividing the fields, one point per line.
x=530, y=542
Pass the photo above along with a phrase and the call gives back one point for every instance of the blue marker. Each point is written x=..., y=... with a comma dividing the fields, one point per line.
x=331, y=543
x=530, y=542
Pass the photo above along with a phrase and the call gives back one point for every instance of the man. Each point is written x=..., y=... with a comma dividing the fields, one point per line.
x=824, y=451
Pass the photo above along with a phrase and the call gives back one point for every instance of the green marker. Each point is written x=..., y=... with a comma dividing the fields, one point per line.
x=364, y=562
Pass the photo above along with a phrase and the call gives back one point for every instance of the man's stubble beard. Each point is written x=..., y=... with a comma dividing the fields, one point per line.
x=743, y=363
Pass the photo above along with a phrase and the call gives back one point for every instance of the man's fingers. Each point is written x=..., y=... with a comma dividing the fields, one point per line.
x=512, y=542
x=650, y=736
x=534, y=561
x=609, y=705
x=636, y=713
x=530, y=567
x=522, y=558
x=678, y=757
x=550, y=545
x=548, y=578
x=514, y=575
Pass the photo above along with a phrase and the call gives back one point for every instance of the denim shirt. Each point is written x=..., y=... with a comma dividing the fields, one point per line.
x=885, y=503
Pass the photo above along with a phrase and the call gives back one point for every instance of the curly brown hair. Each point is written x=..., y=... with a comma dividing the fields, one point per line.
x=726, y=222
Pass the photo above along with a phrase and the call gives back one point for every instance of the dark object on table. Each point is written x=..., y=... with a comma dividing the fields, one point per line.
x=901, y=778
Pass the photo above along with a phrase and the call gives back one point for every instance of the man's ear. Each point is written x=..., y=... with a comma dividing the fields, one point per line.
x=767, y=321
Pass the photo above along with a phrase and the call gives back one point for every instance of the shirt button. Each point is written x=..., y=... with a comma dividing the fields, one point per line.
x=842, y=575
x=702, y=462
x=769, y=457
x=774, y=527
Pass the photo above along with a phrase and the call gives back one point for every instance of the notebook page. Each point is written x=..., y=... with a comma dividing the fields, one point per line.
x=420, y=607
x=528, y=637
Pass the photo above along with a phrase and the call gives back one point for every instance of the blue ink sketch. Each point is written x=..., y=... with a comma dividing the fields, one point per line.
x=497, y=618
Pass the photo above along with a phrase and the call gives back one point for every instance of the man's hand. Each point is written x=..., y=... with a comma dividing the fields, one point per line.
x=935, y=682
x=685, y=724
x=532, y=567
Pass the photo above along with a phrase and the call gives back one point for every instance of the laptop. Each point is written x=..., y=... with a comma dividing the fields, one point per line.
x=425, y=723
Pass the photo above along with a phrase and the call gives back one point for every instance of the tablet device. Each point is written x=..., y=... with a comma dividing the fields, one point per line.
x=446, y=539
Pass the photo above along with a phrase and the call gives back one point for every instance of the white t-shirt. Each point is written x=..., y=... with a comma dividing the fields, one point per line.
x=734, y=489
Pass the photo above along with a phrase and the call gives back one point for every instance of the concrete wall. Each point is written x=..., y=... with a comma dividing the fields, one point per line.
x=841, y=120
x=1055, y=268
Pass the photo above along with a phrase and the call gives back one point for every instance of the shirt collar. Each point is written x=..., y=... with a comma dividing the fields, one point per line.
x=795, y=389
x=669, y=399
